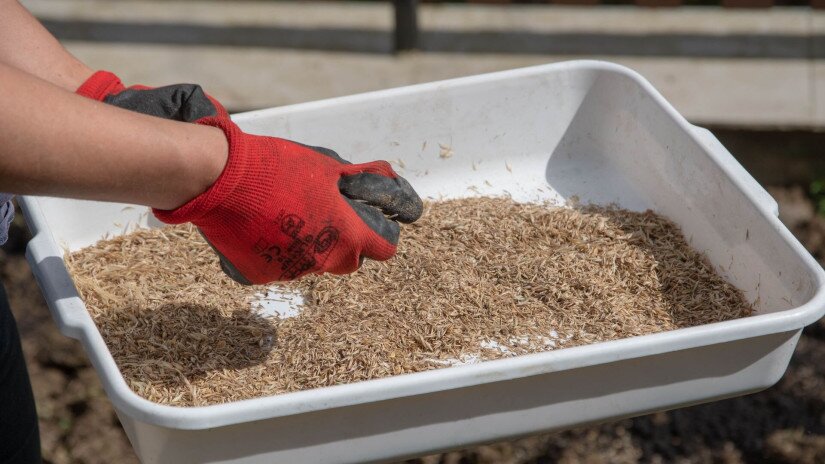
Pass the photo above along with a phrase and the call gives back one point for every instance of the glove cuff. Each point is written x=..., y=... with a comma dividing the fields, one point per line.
x=99, y=85
x=233, y=172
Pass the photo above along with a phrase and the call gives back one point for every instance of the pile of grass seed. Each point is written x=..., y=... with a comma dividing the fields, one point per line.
x=474, y=279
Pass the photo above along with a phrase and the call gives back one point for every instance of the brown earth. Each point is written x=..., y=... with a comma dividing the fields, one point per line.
x=784, y=424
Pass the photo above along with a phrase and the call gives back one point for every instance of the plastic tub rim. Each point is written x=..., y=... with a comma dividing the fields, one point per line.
x=203, y=417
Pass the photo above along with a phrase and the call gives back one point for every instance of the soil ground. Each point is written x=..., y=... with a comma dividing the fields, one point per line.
x=784, y=424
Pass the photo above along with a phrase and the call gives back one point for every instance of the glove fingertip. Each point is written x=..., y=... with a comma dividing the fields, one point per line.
x=380, y=251
x=412, y=208
x=380, y=225
x=379, y=248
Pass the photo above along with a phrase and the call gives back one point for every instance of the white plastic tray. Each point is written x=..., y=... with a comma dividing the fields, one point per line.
x=590, y=129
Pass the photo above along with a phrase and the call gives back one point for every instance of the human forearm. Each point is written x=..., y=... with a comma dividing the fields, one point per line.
x=57, y=143
x=26, y=45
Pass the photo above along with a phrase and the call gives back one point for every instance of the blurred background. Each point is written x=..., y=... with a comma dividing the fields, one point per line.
x=753, y=71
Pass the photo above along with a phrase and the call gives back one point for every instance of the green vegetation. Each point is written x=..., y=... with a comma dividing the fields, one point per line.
x=817, y=192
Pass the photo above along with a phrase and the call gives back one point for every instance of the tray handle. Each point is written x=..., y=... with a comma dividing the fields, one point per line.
x=764, y=199
x=52, y=277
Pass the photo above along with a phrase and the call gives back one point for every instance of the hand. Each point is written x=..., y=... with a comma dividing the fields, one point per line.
x=59, y=144
x=179, y=102
x=281, y=209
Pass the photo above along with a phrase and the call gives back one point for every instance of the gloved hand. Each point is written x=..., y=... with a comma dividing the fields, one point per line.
x=281, y=209
x=180, y=102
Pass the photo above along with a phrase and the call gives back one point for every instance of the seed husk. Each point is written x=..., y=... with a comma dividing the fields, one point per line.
x=475, y=279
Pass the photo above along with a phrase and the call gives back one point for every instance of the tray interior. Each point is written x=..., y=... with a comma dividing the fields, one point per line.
x=593, y=134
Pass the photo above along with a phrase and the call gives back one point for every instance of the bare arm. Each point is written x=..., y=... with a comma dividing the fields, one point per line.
x=57, y=143
x=26, y=45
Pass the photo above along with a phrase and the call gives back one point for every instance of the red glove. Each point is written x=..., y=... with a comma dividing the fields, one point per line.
x=181, y=102
x=281, y=210
x=102, y=84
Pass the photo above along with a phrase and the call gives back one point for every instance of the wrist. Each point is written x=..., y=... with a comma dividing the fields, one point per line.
x=75, y=76
x=213, y=156
x=203, y=155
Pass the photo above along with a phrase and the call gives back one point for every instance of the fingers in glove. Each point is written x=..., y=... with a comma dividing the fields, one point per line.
x=230, y=270
x=394, y=196
x=386, y=228
x=181, y=102
x=324, y=151
x=226, y=266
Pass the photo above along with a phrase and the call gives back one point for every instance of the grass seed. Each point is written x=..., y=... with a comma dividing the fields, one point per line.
x=474, y=280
